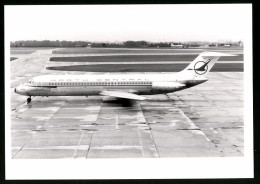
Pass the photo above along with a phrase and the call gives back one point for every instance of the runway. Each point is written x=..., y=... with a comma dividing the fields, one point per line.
x=204, y=121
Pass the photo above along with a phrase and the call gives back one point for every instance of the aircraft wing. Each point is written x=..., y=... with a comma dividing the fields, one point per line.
x=121, y=94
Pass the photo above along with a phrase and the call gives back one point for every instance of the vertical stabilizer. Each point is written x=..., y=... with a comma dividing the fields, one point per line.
x=203, y=63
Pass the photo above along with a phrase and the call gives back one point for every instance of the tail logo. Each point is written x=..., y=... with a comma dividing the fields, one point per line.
x=201, y=67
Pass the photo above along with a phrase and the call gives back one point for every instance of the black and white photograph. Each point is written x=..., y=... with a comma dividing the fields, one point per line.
x=128, y=91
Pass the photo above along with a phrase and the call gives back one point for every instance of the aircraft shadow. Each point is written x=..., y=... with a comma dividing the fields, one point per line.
x=121, y=102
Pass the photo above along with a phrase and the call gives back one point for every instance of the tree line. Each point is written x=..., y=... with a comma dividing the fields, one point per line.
x=57, y=43
x=126, y=44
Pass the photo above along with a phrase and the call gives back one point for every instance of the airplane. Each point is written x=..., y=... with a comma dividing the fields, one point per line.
x=176, y=45
x=126, y=86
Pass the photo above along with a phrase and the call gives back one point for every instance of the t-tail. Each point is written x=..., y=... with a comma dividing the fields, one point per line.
x=201, y=66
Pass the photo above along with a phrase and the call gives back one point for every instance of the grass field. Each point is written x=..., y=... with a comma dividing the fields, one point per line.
x=136, y=50
x=219, y=67
x=22, y=51
x=131, y=58
x=120, y=51
x=30, y=48
x=26, y=50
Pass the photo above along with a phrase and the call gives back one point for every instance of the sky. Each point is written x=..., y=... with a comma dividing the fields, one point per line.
x=155, y=23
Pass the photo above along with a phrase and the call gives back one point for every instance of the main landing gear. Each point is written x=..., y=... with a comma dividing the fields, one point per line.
x=29, y=100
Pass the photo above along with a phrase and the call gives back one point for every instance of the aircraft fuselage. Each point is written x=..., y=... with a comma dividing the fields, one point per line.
x=87, y=85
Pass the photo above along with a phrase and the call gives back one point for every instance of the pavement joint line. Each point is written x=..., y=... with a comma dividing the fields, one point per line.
x=78, y=144
x=190, y=121
x=33, y=134
x=156, y=152
x=140, y=142
x=92, y=132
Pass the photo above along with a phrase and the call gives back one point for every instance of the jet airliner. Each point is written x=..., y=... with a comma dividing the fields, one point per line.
x=127, y=86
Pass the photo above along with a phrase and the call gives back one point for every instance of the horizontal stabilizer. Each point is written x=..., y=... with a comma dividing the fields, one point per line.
x=121, y=94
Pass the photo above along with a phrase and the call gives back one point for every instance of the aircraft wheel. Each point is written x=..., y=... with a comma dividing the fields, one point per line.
x=29, y=100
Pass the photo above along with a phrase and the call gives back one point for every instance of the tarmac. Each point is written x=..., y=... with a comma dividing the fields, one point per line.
x=203, y=121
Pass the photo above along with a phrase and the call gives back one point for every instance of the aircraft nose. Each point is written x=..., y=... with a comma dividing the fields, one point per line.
x=15, y=90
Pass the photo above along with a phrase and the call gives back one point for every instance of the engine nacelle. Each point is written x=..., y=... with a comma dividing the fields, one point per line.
x=167, y=85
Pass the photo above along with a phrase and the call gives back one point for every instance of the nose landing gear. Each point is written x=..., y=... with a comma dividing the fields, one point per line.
x=29, y=100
